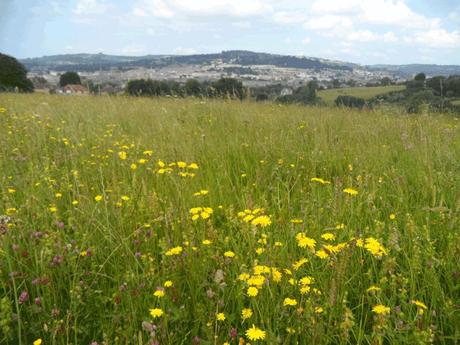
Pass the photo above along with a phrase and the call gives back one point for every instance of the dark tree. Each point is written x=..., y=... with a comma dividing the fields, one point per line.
x=350, y=101
x=13, y=75
x=69, y=78
x=229, y=87
x=420, y=77
x=193, y=87
x=385, y=81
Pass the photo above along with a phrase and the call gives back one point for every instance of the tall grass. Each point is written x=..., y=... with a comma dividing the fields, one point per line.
x=78, y=270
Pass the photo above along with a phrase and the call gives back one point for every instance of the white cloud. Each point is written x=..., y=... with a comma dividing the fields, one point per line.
x=437, y=38
x=389, y=37
x=242, y=25
x=328, y=22
x=289, y=17
x=86, y=7
x=184, y=51
x=201, y=8
x=362, y=36
x=135, y=49
x=154, y=8
x=306, y=40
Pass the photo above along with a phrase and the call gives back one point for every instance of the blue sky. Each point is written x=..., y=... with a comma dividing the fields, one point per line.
x=362, y=31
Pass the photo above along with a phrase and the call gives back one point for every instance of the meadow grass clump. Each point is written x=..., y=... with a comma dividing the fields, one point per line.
x=185, y=221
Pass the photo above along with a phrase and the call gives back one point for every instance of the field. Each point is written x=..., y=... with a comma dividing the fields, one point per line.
x=181, y=221
x=330, y=95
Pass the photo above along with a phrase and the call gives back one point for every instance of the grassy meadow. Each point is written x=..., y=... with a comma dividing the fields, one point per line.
x=330, y=95
x=184, y=221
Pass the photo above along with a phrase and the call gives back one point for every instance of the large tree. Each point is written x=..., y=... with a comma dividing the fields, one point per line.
x=13, y=75
x=69, y=78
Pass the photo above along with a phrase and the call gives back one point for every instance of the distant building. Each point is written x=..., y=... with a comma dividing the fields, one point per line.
x=73, y=89
x=286, y=91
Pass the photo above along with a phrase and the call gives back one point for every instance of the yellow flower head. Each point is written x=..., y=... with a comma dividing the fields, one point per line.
x=380, y=309
x=246, y=313
x=156, y=312
x=220, y=317
x=255, y=333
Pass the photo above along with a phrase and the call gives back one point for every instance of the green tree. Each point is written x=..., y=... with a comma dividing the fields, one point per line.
x=193, y=87
x=69, y=78
x=13, y=75
x=229, y=87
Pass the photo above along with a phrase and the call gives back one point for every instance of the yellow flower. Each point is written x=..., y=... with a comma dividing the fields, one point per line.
x=255, y=333
x=263, y=221
x=11, y=210
x=11, y=190
x=133, y=166
x=181, y=164
x=220, y=317
x=53, y=209
x=246, y=313
x=174, y=251
x=299, y=263
x=289, y=302
x=123, y=155
x=380, y=309
x=350, y=191
x=168, y=284
x=75, y=202
x=392, y=216
x=125, y=198
x=206, y=242
x=304, y=241
x=58, y=195
x=373, y=288
x=328, y=236
x=296, y=221
x=148, y=152
x=322, y=254
x=319, y=180
x=374, y=247
x=252, y=291
x=229, y=254
x=3, y=110
x=193, y=166
x=420, y=305
x=156, y=312
x=98, y=198
x=319, y=310
x=38, y=341
x=159, y=293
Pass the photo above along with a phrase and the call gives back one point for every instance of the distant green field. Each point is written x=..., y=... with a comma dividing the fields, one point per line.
x=329, y=96
x=456, y=102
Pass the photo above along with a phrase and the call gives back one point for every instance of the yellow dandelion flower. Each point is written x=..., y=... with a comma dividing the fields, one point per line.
x=38, y=341
x=229, y=254
x=289, y=302
x=168, y=283
x=122, y=155
x=220, y=317
x=174, y=251
x=305, y=242
x=206, y=242
x=350, y=191
x=263, y=221
x=156, y=312
x=246, y=313
x=255, y=333
x=159, y=293
x=373, y=288
x=328, y=236
x=125, y=198
x=322, y=254
x=252, y=291
x=380, y=309
x=98, y=198
x=392, y=216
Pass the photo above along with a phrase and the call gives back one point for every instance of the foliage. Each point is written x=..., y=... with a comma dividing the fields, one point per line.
x=142, y=221
x=13, y=75
x=350, y=101
x=70, y=77
x=302, y=95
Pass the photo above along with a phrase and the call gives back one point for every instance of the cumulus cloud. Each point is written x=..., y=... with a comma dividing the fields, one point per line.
x=437, y=38
x=201, y=8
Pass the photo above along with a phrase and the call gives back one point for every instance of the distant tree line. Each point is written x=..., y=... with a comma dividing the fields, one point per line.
x=224, y=87
x=434, y=94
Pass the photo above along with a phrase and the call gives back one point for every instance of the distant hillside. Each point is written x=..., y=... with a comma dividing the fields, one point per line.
x=412, y=69
x=103, y=62
x=95, y=62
